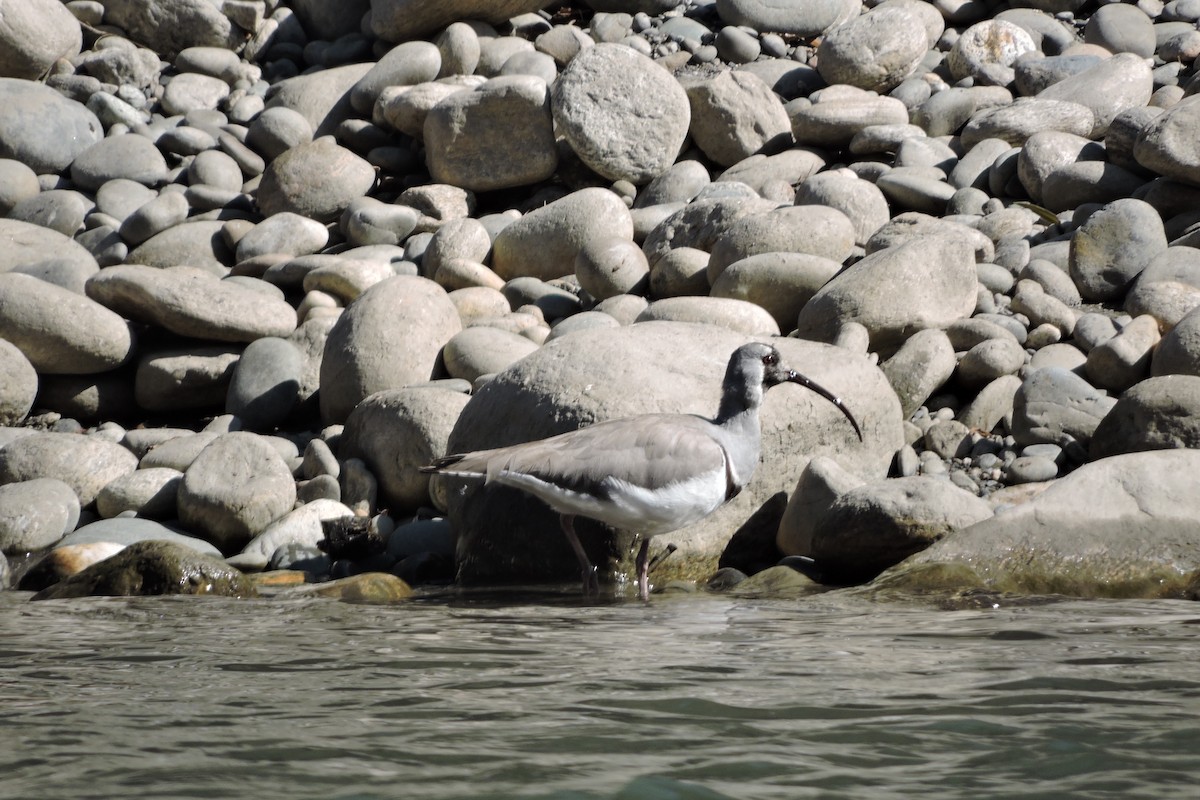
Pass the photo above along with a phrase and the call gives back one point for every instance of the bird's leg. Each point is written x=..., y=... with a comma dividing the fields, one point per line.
x=591, y=584
x=643, y=570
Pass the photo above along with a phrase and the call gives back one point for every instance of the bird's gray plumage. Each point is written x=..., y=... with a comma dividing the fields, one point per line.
x=651, y=473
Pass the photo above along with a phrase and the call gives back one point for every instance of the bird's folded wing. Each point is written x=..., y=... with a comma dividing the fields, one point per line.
x=649, y=451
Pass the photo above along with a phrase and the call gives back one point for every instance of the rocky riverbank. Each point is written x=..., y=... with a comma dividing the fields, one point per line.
x=263, y=260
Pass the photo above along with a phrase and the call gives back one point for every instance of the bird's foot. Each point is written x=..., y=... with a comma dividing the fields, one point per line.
x=591, y=582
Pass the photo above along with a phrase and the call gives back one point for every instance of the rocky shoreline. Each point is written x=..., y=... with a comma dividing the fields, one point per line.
x=264, y=260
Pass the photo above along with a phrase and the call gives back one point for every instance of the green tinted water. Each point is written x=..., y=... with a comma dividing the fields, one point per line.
x=536, y=697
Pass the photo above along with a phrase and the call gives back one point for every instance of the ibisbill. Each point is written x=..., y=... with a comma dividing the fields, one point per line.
x=651, y=473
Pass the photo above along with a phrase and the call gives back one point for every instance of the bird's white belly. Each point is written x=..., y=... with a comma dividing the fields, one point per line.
x=634, y=508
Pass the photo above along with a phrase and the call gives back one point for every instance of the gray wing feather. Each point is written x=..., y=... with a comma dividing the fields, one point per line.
x=649, y=451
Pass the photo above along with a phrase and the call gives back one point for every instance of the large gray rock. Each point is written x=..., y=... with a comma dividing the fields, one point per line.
x=1167, y=144
x=699, y=225
x=806, y=19
x=874, y=526
x=317, y=180
x=544, y=243
x=85, y=463
x=623, y=115
x=1157, y=414
x=813, y=230
x=497, y=136
x=592, y=375
x=398, y=431
x=265, y=387
x=200, y=244
x=920, y=367
x=1056, y=406
x=34, y=514
x=861, y=201
x=1017, y=121
x=406, y=64
x=33, y=35
x=169, y=26
x=149, y=493
x=1179, y=351
x=735, y=115
x=724, y=312
x=20, y=385
x=29, y=247
x=192, y=377
x=388, y=338
x=41, y=128
x=482, y=350
x=192, y=302
x=874, y=51
x=321, y=97
x=59, y=331
x=398, y=20
x=923, y=283
x=1112, y=86
x=1113, y=246
x=1124, y=526
x=781, y=283
x=236, y=487
x=838, y=113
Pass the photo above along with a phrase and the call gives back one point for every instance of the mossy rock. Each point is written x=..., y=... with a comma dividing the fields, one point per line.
x=153, y=567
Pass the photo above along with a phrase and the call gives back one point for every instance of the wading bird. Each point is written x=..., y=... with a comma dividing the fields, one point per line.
x=651, y=473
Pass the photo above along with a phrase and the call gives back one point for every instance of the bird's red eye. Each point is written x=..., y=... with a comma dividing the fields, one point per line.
x=769, y=359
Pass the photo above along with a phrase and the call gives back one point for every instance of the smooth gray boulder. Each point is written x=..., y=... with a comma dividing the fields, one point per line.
x=41, y=128
x=623, y=115
x=35, y=34
x=129, y=530
x=398, y=20
x=398, y=431
x=20, y=386
x=301, y=526
x=781, y=283
x=59, y=331
x=1124, y=526
x=874, y=51
x=814, y=230
x=1157, y=414
x=170, y=26
x=236, y=487
x=317, y=179
x=1113, y=246
x=497, y=136
x=1056, y=406
x=806, y=19
x=735, y=115
x=36, y=513
x=389, y=337
x=544, y=243
x=192, y=302
x=85, y=463
x=321, y=97
x=869, y=528
x=923, y=283
x=265, y=387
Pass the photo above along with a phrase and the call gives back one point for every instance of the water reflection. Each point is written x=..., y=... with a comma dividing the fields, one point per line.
x=537, y=696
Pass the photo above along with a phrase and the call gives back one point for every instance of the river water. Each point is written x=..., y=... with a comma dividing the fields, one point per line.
x=543, y=696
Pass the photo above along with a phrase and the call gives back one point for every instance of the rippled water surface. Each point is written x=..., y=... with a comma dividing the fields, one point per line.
x=534, y=697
